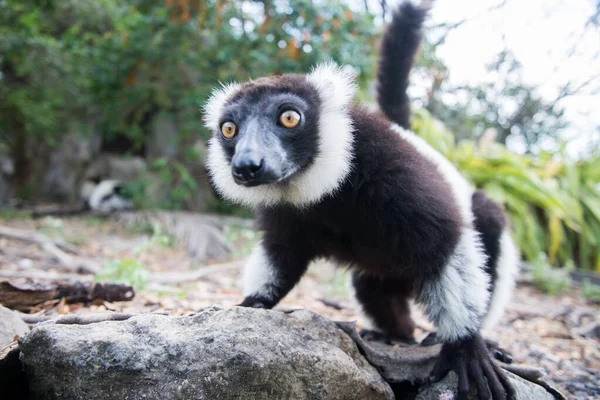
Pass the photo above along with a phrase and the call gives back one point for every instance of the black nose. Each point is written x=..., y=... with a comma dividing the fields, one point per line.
x=246, y=169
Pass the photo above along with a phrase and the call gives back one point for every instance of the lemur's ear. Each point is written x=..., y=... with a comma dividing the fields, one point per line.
x=336, y=86
x=213, y=108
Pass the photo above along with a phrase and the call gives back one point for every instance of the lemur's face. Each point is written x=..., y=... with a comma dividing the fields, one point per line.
x=270, y=133
x=281, y=139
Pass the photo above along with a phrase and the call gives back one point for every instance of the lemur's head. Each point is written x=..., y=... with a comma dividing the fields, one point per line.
x=281, y=139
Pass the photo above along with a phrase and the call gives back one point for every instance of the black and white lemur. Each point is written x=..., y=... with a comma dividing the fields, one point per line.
x=331, y=179
x=105, y=196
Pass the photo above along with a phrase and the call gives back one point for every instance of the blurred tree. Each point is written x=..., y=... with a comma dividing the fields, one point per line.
x=44, y=73
x=504, y=102
x=124, y=64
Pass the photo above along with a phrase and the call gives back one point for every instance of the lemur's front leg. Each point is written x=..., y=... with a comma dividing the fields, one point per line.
x=456, y=302
x=271, y=272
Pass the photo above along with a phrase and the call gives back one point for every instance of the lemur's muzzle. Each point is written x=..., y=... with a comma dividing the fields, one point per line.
x=256, y=161
x=247, y=168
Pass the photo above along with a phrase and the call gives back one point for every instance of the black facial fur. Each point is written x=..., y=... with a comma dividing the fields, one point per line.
x=276, y=151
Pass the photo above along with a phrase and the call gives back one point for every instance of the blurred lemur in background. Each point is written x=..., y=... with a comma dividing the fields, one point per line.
x=104, y=196
x=331, y=179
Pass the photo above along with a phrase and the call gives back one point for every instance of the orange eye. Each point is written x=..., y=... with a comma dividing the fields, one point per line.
x=289, y=118
x=228, y=129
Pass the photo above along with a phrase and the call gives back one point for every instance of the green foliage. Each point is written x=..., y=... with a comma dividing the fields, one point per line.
x=241, y=238
x=131, y=270
x=553, y=281
x=554, y=203
x=504, y=101
x=114, y=67
x=125, y=270
x=10, y=214
x=335, y=286
x=591, y=291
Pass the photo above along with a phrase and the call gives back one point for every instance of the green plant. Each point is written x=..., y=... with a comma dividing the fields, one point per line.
x=551, y=280
x=553, y=202
x=10, y=214
x=336, y=285
x=125, y=270
x=591, y=291
x=241, y=238
x=131, y=270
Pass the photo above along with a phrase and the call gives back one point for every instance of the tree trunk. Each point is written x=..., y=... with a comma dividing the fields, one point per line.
x=20, y=155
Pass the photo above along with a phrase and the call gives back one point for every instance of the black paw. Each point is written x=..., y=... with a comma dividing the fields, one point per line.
x=430, y=340
x=471, y=360
x=254, y=302
x=376, y=336
x=498, y=353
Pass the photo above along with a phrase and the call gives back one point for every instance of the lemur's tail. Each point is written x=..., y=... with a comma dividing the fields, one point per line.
x=399, y=45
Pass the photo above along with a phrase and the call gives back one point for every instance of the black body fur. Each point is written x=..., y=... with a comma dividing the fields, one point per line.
x=399, y=46
x=400, y=234
x=394, y=219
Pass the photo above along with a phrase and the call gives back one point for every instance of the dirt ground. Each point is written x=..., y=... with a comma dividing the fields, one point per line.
x=537, y=329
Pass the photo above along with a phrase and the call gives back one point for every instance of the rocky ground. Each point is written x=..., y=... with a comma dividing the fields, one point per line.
x=558, y=333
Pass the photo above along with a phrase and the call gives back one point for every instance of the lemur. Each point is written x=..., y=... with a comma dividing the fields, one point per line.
x=96, y=195
x=329, y=179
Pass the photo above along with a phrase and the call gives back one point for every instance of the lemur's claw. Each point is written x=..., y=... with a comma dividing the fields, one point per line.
x=472, y=362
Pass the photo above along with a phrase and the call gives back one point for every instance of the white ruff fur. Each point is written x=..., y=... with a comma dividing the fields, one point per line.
x=258, y=273
x=507, y=268
x=98, y=202
x=461, y=187
x=457, y=301
x=216, y=103
x=329, y=168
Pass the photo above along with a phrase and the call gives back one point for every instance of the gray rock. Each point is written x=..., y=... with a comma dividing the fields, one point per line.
x=446, y=389
x=112, y=166
x=164, y=138
x=60, y=177
x=11, y=325
x=237, y=353
x=407, y=365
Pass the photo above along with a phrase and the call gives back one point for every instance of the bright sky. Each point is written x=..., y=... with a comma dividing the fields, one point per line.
x=541, y=34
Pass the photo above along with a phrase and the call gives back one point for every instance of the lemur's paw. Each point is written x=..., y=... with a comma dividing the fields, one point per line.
x=376, y=336
x=430, y=339
x=472, y=362
x=498, y=352
x=254, y=302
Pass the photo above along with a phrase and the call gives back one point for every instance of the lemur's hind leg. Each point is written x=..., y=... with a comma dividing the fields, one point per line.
x=501, y=266
x=385, y=302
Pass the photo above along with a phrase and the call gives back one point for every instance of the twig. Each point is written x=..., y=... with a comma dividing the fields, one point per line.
x=52, y=247
x=24, y=295
x=37, y=274
x=35, y=237
x=180, y=277
x=333, y=304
